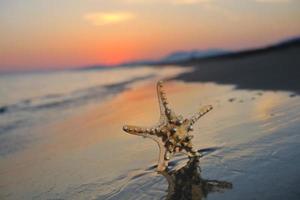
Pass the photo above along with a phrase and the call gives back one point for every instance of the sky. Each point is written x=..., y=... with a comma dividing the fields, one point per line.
x=54, y=34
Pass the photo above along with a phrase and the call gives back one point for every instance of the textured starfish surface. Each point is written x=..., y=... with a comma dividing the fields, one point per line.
x=172, y=133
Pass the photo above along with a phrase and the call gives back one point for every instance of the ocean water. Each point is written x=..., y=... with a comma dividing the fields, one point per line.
x=29, y=100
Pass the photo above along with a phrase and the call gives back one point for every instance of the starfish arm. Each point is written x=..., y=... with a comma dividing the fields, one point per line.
x=166, y=114
x=142, y=131
x=199, y=114
x=162, y=100
x=137, y=130
x=151, y=133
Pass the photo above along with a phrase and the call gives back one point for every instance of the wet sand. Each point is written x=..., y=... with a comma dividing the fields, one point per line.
x=252, y=138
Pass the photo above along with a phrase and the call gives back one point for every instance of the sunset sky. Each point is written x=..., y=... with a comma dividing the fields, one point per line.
x=43, y=34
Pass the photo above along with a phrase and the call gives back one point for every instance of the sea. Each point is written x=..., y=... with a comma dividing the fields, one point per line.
x=31, y=99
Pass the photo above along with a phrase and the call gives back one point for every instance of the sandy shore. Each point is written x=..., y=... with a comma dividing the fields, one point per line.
x=88, y=156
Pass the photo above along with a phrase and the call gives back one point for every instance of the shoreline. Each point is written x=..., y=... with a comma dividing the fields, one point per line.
x=274, y=70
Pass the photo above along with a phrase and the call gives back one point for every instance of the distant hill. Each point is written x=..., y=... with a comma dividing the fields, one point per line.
x=195, y=54
x=179, y=56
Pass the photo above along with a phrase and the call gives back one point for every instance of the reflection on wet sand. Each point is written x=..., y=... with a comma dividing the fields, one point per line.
x=186, y=183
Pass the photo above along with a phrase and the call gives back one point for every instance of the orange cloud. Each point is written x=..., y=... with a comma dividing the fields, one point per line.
x=104, y=18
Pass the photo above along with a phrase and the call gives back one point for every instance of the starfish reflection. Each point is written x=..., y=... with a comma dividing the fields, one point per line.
x=186, y=183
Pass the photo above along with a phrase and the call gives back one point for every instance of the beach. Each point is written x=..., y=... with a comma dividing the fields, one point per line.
x=150, y=100
x=250, y=140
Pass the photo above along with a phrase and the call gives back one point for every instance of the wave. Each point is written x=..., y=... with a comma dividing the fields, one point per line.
x=74, y=98
x=29, y=112
x=10, y=126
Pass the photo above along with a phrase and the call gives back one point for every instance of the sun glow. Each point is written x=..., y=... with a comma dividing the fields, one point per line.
x=43, y=34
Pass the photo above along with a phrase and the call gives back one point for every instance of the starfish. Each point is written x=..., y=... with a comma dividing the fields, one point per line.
x=172, y=133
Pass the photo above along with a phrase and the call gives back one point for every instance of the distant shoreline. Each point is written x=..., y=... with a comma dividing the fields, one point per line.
x=274, y=68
